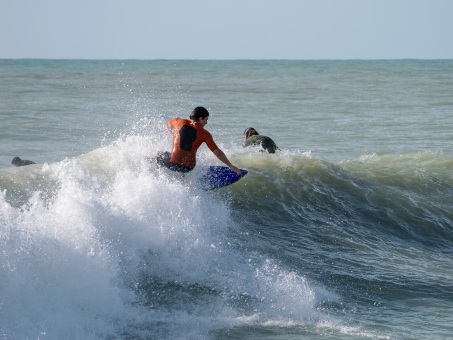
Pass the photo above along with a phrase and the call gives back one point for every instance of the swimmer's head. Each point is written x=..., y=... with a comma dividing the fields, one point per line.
x=250, y=132
x=16, y=161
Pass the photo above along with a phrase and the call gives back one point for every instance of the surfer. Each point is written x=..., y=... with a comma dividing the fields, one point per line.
x=21, y=162
x=253, y=138
x=188, y=135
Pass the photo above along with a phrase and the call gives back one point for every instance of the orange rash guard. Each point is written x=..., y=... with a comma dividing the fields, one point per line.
x=188, y=135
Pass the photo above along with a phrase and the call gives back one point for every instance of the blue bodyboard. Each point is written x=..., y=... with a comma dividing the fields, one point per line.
x=220, y=176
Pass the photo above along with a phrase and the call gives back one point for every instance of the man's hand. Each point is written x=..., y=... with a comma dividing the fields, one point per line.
x=235, y=169
x=221, y=156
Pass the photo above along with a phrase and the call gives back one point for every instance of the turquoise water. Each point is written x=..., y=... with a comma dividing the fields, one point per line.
x=346, y=232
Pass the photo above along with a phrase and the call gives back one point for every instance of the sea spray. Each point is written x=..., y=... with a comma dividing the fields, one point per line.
x=115, y=237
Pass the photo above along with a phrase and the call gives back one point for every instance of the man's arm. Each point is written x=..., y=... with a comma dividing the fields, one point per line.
x=221, y=156
x=168, y=126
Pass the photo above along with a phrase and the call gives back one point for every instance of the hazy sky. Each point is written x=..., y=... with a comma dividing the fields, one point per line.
x=226, y=29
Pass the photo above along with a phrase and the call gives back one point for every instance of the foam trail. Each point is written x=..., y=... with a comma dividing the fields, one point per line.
x=114, y=246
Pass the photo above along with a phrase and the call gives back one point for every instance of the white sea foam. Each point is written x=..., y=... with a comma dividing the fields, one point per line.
x=74, y=252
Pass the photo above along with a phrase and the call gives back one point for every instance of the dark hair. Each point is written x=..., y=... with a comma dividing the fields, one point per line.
x=199, y=112
x=250, y=132
x=16, y=160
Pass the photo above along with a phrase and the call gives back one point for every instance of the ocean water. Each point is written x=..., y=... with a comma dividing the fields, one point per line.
x=345, y=233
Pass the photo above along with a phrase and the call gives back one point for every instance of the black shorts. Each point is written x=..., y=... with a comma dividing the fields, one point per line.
x=163, y=159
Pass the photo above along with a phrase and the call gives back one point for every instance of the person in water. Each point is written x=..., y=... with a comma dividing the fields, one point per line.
x=19, y=162
x=253, y=138
x=188, y=135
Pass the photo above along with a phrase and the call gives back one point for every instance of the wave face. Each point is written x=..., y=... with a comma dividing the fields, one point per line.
x=107, y=245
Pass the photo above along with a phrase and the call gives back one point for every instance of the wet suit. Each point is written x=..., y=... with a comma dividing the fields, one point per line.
x=265, y=142
x=21, y=162
x=163, y=158
x=188, y=135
